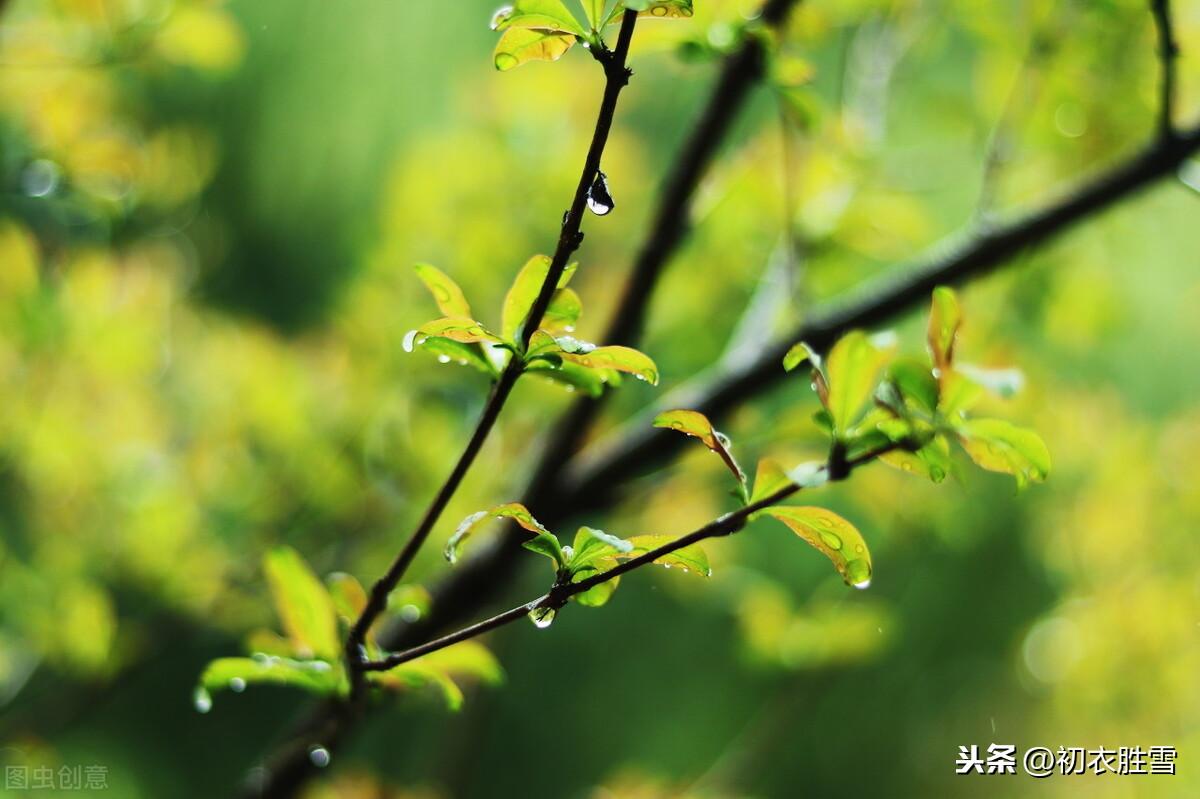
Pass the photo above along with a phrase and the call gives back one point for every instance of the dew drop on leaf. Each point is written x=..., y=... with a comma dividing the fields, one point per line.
x=410, y=339
x=319, y=756
x=202, y=700
x=237, y=685
x=599, y=200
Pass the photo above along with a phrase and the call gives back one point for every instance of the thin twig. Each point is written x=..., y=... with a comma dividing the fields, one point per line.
x=561, y=592
x=568, y=241
x=1168, y=52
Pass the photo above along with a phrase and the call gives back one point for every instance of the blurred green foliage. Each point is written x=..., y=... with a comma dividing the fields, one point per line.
x=208, y=219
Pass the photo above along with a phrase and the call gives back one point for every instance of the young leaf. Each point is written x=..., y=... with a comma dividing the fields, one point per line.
x=521, y=296
x=690, y=558
x=851, y=369
x=591, y=545
x=594, y=11
x=235, y=674
x=519, y=46
x=511, y=510
x=798, y=354
x=563, y=312
x=304, y=606
x=440, y=669
x=546, y=15
x=915, y=382
x=448, y=351
x=349, y=598
x=945, y=318
x=446, y=293
x=833, y=536
x=460, y=329
x=957, y=393
x=932, y=460
x=999, y=446
x=600, y=593
x=618, y=359
x=768, y=478
x=661, y=9
x=697, y=425
x=546, y=543
x=573, y=376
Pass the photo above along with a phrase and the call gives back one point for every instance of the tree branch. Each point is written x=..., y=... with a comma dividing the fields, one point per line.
x=561, y=592
x=568, y=241
x=1168, y=52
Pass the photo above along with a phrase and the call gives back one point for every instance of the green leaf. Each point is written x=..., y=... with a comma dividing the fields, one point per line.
x=446, y=293
x=945, y=319
x=450, y=351
x=660, y=9
x=563, y=312
x=851, y=369
x=316, y=676
x=441, y=669
x=768, y=478
x=600, y=593
x=697, y=425
x=460, y=329
x=618, y=359
x=691, y=559
x=521, y=296
x=546, y=543
x=519, y=46
x=545, y=15
x=510, y=510
x=798, y=354
x=573, y=376
x=957, y=393
x=304, y=605
x=931, y=461
x=832, y=536
x=594, y=11
x=915, y=382
x=998, y=446
x=591, y=545
x=349, y=598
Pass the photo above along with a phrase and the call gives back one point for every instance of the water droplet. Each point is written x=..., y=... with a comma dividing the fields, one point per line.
x=443, y=359
x=410, y=338
x=237, y=685
x=568, y=551
x=500, y=16
x=410, y=613
x=202, y=700
x=505, y=61
x=858, y=573
x=599, y=200
x=830, y=540
x=319, y=665
x=542, y=617
x=319, y=756
x=40, y=178
x=862, y=585
x=859, y=548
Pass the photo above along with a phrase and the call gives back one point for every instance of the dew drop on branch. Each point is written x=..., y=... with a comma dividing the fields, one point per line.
x=542, y=617
x=202, y=700
x=599, y=199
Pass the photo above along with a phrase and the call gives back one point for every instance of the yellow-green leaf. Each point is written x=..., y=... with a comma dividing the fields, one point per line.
x=521, y=45
x=852, y=370
x=932, y=460
x=574, y=377
x=945, y=318
x=998, y=446
x=691, y=559
x=441, y=669
x=511, y=510
x=832, y=536
x=316, y=676
x=619, y=359
x=798, y=354
x=563, y=312
x=768, y=478
x=522, y=294
x=349, y=598
x=304, y=605
x=446, y=293
x=697, y=425
x=659, y=9
x=460, y=329
x=546, y=15
x=594, y=10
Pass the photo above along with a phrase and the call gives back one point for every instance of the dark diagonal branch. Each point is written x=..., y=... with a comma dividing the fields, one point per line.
x=561, y=592
x=1168, y=53
x=568, y=241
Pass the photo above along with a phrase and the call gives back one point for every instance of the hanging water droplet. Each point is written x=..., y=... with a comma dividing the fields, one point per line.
x=410, y=613
x=542, y=617
x=862, y=585
x=237, y=685
x=858, y=573
x=202, y=700
x=599, y=200
x=500, y=16
x=410, y=338
x=40, y=178
x=318, y=755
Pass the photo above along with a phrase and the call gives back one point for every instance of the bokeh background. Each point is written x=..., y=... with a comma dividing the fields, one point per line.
x=208, y=217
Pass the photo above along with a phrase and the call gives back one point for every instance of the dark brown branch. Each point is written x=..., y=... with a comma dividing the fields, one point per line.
x=1168, y=52
x=561, y=592
x=568, y=241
